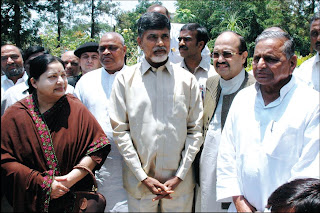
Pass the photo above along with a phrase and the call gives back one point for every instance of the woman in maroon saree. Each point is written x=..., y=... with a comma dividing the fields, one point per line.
x=43, y=137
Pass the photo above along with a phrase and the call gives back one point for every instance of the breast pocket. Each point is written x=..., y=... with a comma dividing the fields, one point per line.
x=283, y=142
x=179, y=108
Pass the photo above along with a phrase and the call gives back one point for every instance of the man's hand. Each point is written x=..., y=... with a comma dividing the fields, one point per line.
x=171, y=184
x=156, y=187
x=242, y=204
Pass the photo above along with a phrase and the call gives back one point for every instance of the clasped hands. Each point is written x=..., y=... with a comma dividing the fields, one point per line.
x=162, y=190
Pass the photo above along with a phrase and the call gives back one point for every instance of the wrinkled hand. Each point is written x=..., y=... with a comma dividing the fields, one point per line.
x=58, y=189
x=156, y=187
x=171, y=184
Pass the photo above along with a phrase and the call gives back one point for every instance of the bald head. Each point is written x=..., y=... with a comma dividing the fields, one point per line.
x=112, y=51
x=277, y=29
x=159, y=9
x=229, y=54
x=71, y=63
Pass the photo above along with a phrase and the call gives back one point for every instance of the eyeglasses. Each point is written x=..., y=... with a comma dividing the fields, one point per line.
x=225, y=54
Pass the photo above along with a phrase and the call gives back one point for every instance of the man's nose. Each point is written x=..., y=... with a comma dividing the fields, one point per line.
x=160, y=42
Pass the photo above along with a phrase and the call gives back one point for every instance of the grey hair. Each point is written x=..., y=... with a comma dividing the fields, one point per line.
x=315, y=17
x=117, y=34
x=288, y=46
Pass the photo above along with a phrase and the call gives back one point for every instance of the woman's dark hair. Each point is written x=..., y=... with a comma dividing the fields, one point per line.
x=300, y=195
x=38, y=66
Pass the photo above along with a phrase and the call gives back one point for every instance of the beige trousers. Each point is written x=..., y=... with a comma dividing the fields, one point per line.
x=181, y=203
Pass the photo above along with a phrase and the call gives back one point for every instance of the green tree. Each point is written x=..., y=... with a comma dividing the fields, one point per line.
x=127, y=26
x=16, y=26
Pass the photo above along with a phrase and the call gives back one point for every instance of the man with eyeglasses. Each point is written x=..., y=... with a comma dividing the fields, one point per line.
x=93, y=90
x=229, y=60
x=72, y=67
x=192, y=40
x=88, y=57
x=309, y=71
x=271, y=135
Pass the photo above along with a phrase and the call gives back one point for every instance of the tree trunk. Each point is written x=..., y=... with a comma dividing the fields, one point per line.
x=17, y=23
x=59, y=22
x=92, y=19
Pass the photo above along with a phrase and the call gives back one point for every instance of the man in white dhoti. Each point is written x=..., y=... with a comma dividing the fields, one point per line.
x=271, y=134
x=93, y=89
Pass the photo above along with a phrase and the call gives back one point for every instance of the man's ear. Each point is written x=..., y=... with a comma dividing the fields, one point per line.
x=139, y=41
x=293, y=63
x=244, y=56
x=201, y=44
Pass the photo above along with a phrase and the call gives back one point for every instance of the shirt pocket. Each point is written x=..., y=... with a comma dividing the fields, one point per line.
x=283, y=142
x=178, y=107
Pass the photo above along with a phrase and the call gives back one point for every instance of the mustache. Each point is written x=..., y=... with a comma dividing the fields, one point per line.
x=317, y=43
x=183, y=47
x=224, y=62
x=159, y=49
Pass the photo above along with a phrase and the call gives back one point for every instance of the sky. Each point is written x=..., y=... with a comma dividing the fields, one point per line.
x=129, y=5
x=126, y=5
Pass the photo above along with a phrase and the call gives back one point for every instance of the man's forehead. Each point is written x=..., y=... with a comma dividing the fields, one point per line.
x=10, y=49
x=69, y=58
x=188, y=33
x=111, y=39
x=315, y=25
x=157, y=31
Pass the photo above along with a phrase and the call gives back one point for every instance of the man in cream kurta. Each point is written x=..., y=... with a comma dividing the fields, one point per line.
x=174, y=54
x=156, y=118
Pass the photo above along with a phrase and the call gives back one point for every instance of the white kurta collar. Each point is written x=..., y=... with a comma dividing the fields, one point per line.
x=283, y=91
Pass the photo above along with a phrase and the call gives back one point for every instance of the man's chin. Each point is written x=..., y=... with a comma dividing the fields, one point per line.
x=159, y=59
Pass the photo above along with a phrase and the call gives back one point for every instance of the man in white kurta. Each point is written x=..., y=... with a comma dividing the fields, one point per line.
x=12, y=66
x=271, y=134
x=156, y=118
x=93, y=89
x=309, y=71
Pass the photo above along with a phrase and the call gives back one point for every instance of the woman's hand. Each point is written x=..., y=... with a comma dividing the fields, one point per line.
x=62, y=184
x=242, y=204
x=58, y=189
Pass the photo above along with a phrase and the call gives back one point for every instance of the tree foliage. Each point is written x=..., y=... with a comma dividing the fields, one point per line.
x=63, y=25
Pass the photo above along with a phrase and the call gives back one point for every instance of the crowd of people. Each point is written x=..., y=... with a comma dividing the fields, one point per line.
x=172, y=133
